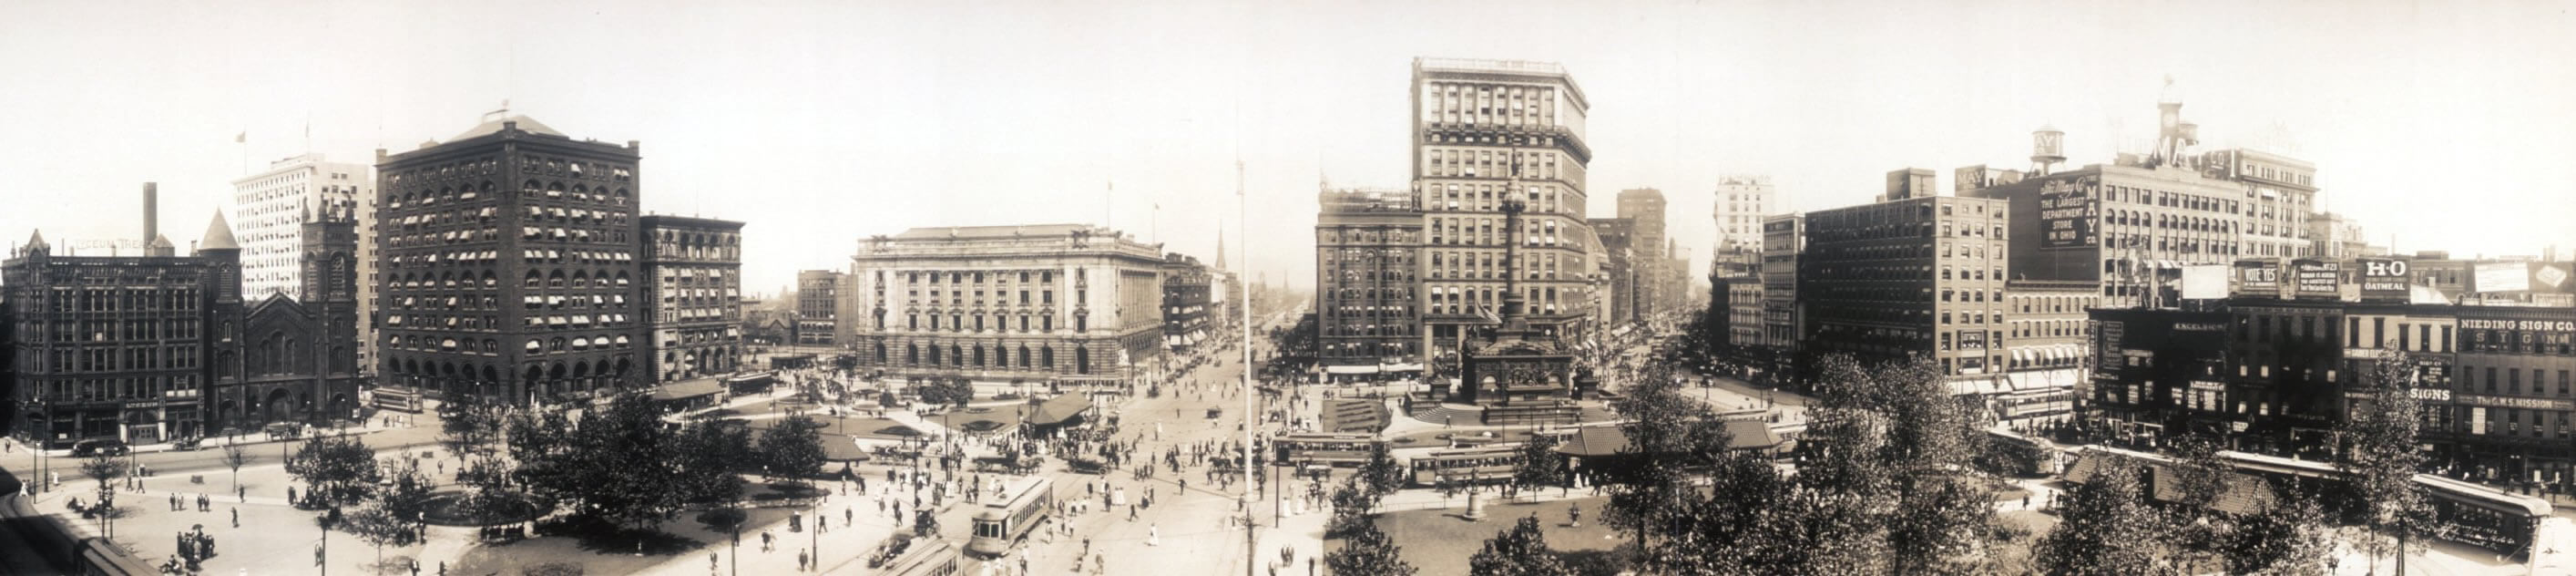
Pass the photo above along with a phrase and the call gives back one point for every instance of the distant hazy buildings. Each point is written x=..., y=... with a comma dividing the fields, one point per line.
x=1485, y=132
x=693, y=307
x=508, y=261
x=1624, y=279
x=2337, y=237
x=1187, y=287
x=998, y=303
x=1650, y=250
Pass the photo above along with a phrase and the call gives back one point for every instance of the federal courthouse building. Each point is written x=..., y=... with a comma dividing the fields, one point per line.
x=1063, y=302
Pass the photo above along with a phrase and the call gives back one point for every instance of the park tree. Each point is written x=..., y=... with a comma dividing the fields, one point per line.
x=1669, y=435
x=1517, y=551
x=378, y=526
x=1538, y=466
x=406, y=489
x=793, y=449
x=469, y=426
x=621, y=464
x=1380, y=474
x=2380, y=454
x=103, y=468
x=1352, y=502
x=709, y=457
x=1368, y=552
x=339, y=471
x=1892, y=432
x=2107, y=529
x=235, y=456
x=2291, y=539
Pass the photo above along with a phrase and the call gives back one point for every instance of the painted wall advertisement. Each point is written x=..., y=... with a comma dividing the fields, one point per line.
x=2258, y=278
x=2544, y=277
x=2066, y=212
x=2316, y=278
x=2384, y=279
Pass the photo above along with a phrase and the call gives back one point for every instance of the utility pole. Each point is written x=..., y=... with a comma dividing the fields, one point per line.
x=1244, y=245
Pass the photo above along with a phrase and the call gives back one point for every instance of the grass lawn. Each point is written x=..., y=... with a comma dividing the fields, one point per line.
x=1439, y=541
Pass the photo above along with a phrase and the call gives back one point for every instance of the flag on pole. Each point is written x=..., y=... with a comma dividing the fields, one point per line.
x=1488, y=313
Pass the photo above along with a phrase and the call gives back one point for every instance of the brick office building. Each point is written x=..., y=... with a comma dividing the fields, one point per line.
x=508, y=259
x=1914, y=273
x=693, y=300
x=159, y=346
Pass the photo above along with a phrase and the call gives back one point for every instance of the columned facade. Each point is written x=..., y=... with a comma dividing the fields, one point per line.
x=1003, y=303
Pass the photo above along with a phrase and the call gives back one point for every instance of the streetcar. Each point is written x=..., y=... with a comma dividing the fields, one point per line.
x=1012, y=515
x=915, y=557
x=1489, y=464
x=1331, y=449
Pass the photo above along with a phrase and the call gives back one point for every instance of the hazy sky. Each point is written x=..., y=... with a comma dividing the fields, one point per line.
x=2446, y=127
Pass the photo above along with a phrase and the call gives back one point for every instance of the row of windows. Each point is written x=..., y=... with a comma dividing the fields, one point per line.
x=116, y=359
x=1489, y=163
x=1489, y=231
x=67, y=300
x=123, y=389
x=91, y=330
x=975, y=356
x=1489, y=266
x=975, y=323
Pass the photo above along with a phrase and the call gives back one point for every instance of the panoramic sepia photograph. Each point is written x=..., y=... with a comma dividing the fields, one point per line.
x=1229, y=287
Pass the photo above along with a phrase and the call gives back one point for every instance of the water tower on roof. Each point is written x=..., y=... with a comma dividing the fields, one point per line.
x=2047, y=148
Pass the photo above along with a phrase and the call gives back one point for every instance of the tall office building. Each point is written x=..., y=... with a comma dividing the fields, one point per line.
x=1618, y=256
x=818, y=307
x=693, y=308
x=1485, y=132
x=1367, y=264
x=1784, y=238
x=1650, y=249
x=1916, y=274
x=1743, y=201
x=508, y=258
x=269, y=211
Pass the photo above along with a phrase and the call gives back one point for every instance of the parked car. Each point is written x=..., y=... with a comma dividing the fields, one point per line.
x=106, y=446
x=188, y=443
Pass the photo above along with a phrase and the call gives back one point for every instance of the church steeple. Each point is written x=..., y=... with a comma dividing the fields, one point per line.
x=1220, y=249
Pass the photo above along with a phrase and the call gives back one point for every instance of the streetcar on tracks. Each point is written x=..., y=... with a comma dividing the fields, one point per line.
x=1487, y=464
x=1330, y=449
x=1011, y=516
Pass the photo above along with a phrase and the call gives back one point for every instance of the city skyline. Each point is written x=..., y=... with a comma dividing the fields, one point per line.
x=869, y=121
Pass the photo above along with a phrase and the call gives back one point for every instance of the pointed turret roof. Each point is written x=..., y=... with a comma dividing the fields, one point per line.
x=159, y=241
x=36, y=240
x=219, y=236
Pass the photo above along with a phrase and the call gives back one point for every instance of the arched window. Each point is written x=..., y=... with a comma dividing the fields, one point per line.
x=535, y=347
x=1024, y=355
x=1046, y=356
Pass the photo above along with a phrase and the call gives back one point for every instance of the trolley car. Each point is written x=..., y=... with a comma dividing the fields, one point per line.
x=1327, y=449
x=1009, y=517
x=1489, y=464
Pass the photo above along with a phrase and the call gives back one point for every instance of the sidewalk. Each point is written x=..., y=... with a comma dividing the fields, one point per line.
x=215, y=442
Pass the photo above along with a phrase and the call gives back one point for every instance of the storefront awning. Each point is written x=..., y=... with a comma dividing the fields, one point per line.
x=1401, y=367
x=1351, y=369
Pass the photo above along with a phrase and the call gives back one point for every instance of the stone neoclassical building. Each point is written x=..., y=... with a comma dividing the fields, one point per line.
x=999, y=303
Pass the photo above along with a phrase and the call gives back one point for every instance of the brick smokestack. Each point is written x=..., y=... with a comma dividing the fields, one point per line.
x=151, y=211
